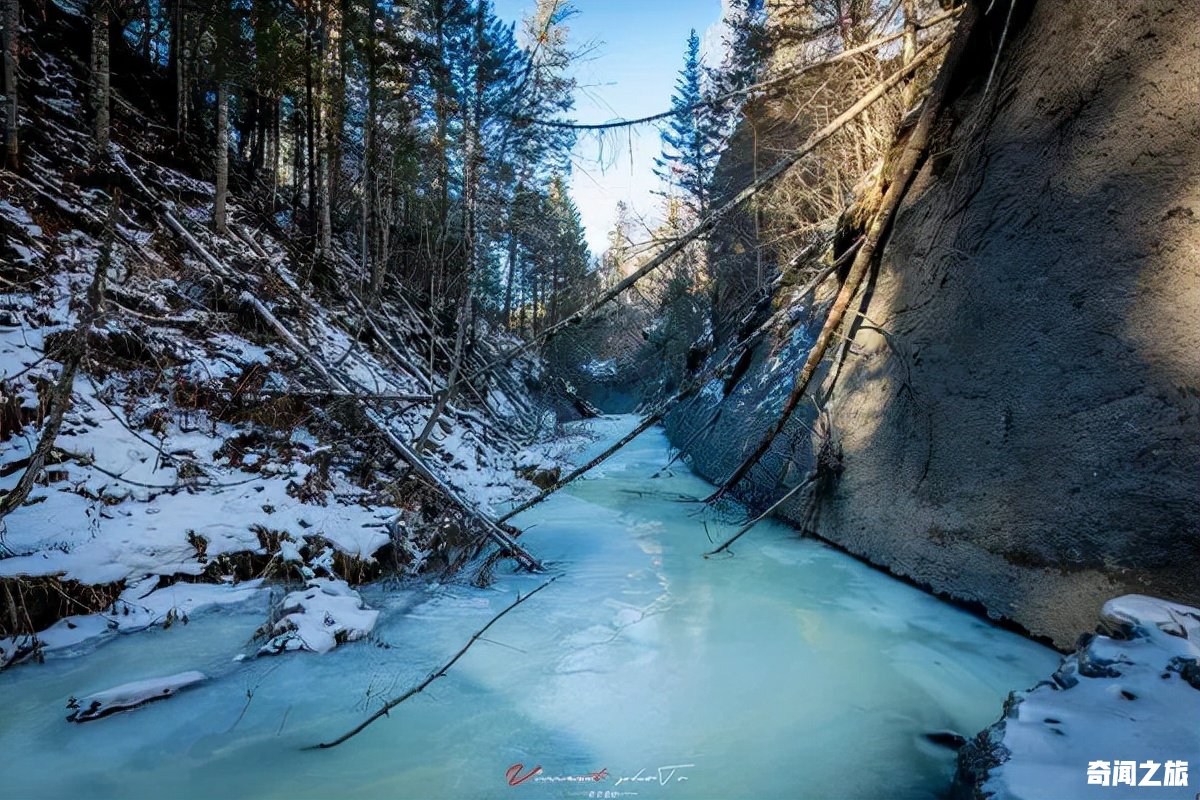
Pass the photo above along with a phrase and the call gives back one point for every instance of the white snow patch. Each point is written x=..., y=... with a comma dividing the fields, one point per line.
x=1121, y=697
x=321, y=616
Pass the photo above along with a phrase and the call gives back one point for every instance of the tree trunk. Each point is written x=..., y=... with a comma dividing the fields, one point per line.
x=310, y=110
x=275, y=134
x=298, y=165
x=330, y=96
x=179, y=58
x=908, y=51
x=222, y=156
x=100, y=74
x=371, y=265
x=12, y=25
x=512, y=270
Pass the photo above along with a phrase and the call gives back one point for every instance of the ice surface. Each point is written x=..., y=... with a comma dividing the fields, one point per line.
x=789, y=670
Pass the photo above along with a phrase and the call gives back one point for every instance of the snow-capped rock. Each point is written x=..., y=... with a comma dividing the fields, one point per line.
x=1124, y=707
x=320, y=617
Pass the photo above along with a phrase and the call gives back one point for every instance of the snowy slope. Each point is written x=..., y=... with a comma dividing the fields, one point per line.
x=199, y=447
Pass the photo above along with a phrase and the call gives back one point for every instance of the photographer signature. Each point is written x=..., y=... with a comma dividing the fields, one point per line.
x=663, y=775
x=669, y=773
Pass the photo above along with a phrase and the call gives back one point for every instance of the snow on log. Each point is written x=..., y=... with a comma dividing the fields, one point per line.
x=320, y=617
x=131, y=695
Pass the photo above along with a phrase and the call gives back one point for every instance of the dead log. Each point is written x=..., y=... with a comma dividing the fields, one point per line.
x=647, y=423
x=406, y=454
x=651, y=419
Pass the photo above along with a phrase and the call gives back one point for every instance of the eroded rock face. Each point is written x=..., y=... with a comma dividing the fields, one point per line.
x=1020, y=417
x=1129, y=693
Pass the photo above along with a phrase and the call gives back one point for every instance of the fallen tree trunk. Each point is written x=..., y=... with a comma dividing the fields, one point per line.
x=912, y=155
x=433, y=676
x=406, y=454
x=652, y=419
x=641, y=428
x=710, y=221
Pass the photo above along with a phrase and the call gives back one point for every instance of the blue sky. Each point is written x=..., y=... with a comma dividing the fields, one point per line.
x=630, y=72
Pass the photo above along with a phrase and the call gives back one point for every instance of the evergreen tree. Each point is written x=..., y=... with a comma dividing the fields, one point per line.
x=691, y=138
x=744, y=45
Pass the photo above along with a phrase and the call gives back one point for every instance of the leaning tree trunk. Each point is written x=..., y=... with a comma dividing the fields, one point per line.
x=908, y=51
x=12, y=23
x=100, y=75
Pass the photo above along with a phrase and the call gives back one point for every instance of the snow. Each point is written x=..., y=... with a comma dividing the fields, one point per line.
x=131, y=695
x=600, y=369
x=142, y=605
x=153, y=482
x=318, y=618
x=1124, y=696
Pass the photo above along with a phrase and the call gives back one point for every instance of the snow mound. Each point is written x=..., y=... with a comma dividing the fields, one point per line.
x=131, y=695
x=1130, y=693
x=319, y=618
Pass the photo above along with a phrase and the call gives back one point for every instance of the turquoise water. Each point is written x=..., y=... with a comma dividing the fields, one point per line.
x=789, y=670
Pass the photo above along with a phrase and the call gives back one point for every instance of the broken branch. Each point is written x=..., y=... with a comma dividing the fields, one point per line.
x=433, y=676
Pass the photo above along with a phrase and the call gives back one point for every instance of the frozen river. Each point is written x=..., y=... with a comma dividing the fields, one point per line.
x=787, y=671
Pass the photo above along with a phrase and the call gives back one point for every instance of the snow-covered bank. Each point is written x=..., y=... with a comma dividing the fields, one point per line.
x=198, y=444
x=1123, y=710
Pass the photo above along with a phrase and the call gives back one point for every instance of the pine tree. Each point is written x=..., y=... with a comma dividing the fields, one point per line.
x=745, y=50
x=691, y=138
